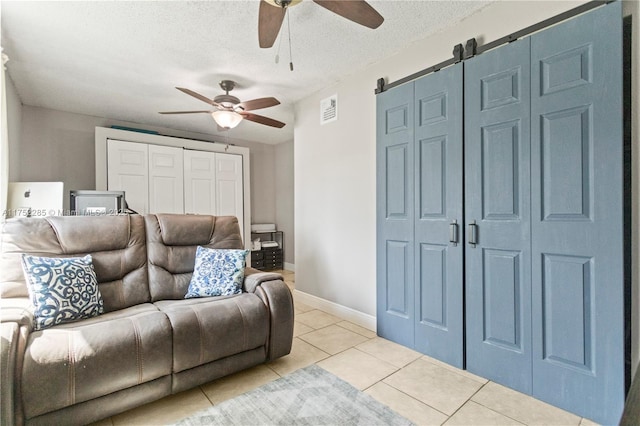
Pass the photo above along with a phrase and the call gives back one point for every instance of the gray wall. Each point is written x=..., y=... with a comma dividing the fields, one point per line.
x=14, y=126
x=59, y=146
x=263, y=202
x=284, y=179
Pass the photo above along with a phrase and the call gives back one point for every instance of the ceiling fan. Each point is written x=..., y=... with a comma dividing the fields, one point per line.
x=229, y=111
x=272, y=14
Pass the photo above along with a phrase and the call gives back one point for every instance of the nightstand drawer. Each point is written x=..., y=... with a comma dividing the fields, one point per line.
x=267, y=259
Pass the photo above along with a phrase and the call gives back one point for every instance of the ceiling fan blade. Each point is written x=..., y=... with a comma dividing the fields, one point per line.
x=197, y=96
x=358, y=11
x=260, y=119
x=184, y=112
x=259, y=104
x=269, y=22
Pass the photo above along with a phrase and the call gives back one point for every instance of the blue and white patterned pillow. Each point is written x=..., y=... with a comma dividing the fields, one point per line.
x=62, y=289
x=217, y=272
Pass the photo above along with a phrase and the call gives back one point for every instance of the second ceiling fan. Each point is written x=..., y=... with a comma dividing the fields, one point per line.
x=229, y=111
x=272, y=14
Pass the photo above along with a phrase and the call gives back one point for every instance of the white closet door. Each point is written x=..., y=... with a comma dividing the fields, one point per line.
x=229, y=200
x=199, y=182
x=165, y=179
x=128, y=171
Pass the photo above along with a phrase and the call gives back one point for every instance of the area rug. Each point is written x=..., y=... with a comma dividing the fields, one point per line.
x=310, y=396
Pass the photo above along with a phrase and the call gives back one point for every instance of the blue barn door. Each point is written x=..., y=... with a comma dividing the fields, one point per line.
x=438, y=216
x=395, y=213
x=577, y=218
x=497, y=212
x=541, y=243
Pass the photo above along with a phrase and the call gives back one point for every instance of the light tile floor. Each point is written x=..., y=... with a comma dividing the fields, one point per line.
x=424, y=390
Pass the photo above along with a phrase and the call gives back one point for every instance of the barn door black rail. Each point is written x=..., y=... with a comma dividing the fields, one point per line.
x=472, y=49
x=457, y=57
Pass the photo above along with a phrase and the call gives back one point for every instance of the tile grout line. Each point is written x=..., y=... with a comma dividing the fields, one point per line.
x=339, y=352
x=205, y=394
x=404, y=393
x=452, y=369
x=494, y=410
x=269, y=367
x=315, y=347
x=338, y=324
x=469, y=399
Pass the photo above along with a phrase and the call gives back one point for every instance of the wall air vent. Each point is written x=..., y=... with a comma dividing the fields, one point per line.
x=329, y=109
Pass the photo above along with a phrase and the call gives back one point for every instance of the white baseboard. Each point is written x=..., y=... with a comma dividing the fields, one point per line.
x=363, y=320
x=289, y=267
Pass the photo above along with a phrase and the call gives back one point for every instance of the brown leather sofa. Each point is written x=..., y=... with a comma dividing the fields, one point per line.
x=150, y=342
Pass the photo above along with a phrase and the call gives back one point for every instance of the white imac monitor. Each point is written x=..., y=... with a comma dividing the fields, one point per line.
x=35, y=199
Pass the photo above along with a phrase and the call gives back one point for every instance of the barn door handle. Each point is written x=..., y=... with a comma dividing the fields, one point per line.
x=473, y=234
x=453, y=232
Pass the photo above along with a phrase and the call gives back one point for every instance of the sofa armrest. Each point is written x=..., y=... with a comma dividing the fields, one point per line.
x=253, y=278
x=277, y=297
x=18, y=310
x=9, y=333
x=16, y=323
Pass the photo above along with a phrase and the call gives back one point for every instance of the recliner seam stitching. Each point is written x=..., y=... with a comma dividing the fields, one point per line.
x=201, y=356
x=266, y=302
x=71, y=374
x=244, y=326
x=57, y=234
x=139, y=355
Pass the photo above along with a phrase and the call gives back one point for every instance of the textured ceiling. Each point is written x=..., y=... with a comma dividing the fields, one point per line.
x=122, y=60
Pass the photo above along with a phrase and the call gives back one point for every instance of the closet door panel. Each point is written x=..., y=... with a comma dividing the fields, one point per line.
x=497, y=213
x=395, y=213
x=128, y=171
x=577, y=152
x=166, y=184
x=438, y=195
x=229, y=199
x=199, y=182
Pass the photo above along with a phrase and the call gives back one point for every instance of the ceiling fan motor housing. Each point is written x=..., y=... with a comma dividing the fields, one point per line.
x=227, y=100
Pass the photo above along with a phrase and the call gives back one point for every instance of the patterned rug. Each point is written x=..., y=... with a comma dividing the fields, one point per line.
x=310, y=396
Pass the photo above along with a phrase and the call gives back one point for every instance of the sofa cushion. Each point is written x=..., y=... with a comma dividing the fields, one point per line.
x=62, y=289
x=76, y=362
x=117, y=245
x=208, y=329
x=172, y=241
x=217, y=273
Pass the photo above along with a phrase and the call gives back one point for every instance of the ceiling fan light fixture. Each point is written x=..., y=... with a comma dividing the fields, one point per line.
x=283, y=3
x=227, y=119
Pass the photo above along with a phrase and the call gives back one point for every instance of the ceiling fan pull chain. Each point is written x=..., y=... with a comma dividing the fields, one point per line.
x=289, y=28
x=278, y=53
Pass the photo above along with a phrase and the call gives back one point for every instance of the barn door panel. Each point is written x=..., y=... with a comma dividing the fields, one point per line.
x=497, y=211
x=577, y=217
x=438, y=215
x=395, y=213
